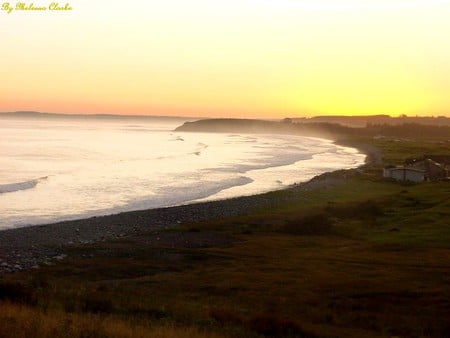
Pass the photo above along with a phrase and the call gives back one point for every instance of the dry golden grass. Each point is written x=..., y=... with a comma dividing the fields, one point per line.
x=21, y=321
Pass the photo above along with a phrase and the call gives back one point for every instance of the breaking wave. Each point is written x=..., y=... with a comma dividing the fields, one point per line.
x=13, y=187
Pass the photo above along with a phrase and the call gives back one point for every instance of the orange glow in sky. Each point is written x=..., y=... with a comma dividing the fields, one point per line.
x=234, y=58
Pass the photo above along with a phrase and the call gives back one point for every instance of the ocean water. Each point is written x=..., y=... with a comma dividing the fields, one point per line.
x=54, y=169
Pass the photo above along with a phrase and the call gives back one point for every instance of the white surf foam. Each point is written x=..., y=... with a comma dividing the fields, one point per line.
x=13, y=187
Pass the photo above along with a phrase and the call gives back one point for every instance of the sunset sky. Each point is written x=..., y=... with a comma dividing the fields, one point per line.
x=234, y=58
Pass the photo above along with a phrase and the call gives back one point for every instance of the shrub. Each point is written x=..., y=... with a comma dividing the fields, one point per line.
x=96, y=304
x=363, y=210
x=311, y=225
x=271, y=326
x=225, y=317
x=17, y=293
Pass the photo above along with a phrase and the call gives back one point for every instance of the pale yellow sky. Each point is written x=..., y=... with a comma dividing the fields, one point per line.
x=237, y=58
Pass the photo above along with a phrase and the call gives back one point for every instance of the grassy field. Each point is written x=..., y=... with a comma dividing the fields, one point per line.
x=365, y=257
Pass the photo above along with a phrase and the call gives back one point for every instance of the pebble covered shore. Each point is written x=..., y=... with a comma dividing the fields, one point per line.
x=29, y=247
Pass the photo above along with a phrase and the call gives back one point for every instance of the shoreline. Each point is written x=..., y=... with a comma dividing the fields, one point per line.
x=28, y=247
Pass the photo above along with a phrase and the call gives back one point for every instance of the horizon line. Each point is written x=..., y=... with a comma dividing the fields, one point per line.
x=36, y=113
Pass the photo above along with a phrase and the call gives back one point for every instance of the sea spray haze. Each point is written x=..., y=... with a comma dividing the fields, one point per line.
x=66, y=168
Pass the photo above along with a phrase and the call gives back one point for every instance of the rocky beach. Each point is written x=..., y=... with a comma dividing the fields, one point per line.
x=28, y=247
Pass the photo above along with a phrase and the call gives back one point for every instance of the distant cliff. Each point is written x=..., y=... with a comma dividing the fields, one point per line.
x=317, y=129
x=235, y=125
x=327, y=130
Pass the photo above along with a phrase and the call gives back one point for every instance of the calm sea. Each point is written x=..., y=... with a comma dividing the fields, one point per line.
x=55, y=169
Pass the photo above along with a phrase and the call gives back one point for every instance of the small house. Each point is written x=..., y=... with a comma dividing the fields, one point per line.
x=426, y=168
x=405, y=174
